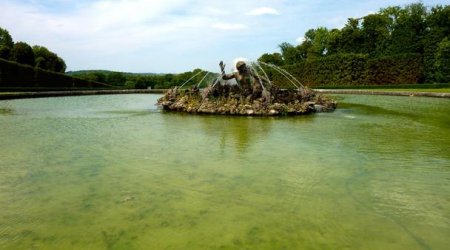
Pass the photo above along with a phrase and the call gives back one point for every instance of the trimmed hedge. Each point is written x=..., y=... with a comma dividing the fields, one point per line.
x=355, y=69
x=14, y=75
x=398, y=69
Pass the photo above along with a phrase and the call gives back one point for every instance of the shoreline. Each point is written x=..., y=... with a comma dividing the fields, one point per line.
x=40, y=94
x=388, y=93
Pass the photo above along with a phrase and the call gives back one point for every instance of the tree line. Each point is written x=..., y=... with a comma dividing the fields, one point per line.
x=143, y=81
x=408, y=44
x=16, y=54
x=395, y=45
x=23, y=67
x=36, y=56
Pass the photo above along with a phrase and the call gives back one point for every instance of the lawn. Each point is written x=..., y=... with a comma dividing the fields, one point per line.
x=440, y=90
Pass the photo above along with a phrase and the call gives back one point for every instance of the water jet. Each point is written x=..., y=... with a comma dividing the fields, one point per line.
x=254, y=95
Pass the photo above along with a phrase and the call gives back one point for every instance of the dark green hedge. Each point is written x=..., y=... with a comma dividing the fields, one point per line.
x=398, y=69
x=14, y=75
x=355, y=69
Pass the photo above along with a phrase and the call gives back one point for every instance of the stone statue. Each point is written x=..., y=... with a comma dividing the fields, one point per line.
x=245, y=77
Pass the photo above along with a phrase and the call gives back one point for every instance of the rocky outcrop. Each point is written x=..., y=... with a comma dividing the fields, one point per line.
x=232, y=100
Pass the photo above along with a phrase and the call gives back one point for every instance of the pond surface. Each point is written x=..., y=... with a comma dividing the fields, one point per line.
x=115, y=172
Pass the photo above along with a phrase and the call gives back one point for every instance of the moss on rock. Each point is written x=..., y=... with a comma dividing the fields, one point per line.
x=232, y=100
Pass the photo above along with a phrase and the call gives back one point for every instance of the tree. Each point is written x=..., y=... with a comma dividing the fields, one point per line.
x=6, y=44
x=333, y=41
x=5, y=39
x=99, y=77
x=303, y=50
x=319, y=42
x=392, y=13
x=60, y=65
x=442, y=61
x=375, y=31
x=438, y=20
x=275, y=58
x=289, y=53
x=4, y=52
x=437, y=28
x=140, y=83
x=409, y=30
x=22, y=53
x=45, y=59
x=351, y=37
x=116, y=78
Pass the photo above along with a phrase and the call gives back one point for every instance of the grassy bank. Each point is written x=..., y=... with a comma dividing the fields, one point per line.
x=423, y=87
x=440, y=90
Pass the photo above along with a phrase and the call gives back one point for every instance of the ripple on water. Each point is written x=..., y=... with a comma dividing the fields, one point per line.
x=116, y=172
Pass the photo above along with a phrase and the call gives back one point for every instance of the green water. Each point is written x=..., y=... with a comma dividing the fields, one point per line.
x=115, y=172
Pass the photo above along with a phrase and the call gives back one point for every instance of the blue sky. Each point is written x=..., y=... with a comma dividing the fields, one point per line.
x=174, y=36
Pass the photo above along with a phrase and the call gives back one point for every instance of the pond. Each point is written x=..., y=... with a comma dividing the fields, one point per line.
x=116, y=172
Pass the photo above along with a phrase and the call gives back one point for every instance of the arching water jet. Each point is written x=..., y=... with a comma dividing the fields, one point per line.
x=254, y=94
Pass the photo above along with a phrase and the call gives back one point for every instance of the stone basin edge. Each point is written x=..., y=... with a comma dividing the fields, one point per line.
x=40, y=94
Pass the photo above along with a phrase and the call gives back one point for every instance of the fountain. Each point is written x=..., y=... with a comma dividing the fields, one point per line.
x=253, y=95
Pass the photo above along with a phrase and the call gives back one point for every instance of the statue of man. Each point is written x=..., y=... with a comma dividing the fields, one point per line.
x=244, y=76
x=248, y=81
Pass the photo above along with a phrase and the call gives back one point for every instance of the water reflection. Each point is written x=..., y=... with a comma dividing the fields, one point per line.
x=5, y=108
x=225, y=131
x=6, y=111
x=240, y=132
x=135, y=181
x=127, y=113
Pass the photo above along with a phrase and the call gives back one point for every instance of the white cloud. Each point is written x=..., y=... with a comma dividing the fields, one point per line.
x=229, y=26
x=103, y=26
x=168, y=35
x=263, y=11
x=300, y=39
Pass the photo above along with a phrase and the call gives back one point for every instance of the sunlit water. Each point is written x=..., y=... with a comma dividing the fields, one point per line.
x=115, y=172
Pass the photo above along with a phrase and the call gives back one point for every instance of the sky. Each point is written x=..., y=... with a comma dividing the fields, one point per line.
x=173, y=36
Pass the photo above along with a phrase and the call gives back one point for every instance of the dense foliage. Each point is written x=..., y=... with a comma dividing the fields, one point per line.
x=36, y=56
x=15, y=76
x=22, y=53
x=395, y=45
x=6, y=43
x=45, y=59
